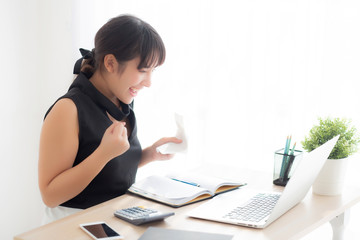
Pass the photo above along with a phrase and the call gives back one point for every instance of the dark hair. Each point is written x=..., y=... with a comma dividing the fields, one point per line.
x=126, y=37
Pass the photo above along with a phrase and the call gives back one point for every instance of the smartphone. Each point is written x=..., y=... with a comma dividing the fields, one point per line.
x=100, y=230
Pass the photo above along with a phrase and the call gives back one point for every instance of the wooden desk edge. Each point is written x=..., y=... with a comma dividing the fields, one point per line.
x=110, y=205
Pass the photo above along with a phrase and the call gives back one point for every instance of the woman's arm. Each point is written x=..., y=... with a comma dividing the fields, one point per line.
x=150, y=154
x=59, y=181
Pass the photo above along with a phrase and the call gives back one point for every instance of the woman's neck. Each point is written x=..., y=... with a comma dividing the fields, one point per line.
x=99, y=81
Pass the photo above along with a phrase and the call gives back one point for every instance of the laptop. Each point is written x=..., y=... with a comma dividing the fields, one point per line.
x=237, y=207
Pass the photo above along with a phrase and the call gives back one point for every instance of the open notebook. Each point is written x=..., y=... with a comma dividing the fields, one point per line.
x=182, y=189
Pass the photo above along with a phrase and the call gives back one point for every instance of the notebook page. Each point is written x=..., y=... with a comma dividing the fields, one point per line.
x=165, y=188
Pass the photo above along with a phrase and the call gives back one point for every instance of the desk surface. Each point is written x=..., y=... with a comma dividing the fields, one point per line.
x=312, y=212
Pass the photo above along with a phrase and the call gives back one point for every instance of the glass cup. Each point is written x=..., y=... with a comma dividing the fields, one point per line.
x=284, y=166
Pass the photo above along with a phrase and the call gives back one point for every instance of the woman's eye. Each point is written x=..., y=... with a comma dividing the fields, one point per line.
x=146, y=70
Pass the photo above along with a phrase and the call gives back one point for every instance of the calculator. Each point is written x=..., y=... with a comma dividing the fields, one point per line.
x=139, y=215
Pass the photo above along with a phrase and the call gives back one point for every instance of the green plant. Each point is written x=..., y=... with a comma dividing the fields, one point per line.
x=329, y=128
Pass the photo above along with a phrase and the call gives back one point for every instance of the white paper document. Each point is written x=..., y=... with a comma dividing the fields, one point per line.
x=171, y=148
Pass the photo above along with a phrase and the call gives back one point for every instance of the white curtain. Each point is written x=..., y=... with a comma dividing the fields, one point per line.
x=245, y=74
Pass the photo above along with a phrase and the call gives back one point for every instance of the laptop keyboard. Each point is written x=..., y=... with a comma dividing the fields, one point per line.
x=257, y=208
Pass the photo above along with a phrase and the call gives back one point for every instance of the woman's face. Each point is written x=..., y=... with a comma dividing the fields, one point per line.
x=126, y=81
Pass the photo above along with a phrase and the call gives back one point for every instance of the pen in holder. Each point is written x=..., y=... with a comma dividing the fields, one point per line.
x=284, y=166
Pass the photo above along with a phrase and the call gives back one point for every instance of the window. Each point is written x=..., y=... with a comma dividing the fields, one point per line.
x=244, y=74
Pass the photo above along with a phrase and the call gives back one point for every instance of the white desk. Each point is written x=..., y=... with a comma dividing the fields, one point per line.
x=311, y=213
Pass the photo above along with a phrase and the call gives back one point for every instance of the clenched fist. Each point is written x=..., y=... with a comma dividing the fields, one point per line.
x=115, y=139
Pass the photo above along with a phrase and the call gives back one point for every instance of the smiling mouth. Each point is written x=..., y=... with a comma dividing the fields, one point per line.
x=133, y=92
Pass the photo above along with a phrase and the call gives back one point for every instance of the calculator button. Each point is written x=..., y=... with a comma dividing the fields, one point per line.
x=139, y=215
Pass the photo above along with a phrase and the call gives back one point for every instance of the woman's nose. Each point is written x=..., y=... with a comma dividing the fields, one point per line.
x=147, y=81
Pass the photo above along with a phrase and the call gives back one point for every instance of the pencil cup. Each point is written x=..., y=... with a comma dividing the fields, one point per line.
x=284, y=166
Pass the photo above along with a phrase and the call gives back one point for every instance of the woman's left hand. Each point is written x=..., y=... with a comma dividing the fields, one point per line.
x=150, y=154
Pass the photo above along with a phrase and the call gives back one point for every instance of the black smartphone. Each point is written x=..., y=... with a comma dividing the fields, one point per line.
x=100, y=230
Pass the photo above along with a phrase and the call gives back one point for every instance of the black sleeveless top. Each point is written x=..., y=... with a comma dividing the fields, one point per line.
x=119, y=173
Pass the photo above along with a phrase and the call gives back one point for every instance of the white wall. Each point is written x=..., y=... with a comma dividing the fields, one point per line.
x=36, y=64
x=244, y=74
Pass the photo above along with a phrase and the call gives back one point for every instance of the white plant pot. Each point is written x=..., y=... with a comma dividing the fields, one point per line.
x=331, y=178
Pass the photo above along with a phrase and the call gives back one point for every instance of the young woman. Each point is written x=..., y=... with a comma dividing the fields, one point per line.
x=89, y=150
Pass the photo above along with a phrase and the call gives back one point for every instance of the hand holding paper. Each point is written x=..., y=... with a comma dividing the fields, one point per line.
x=171, y=148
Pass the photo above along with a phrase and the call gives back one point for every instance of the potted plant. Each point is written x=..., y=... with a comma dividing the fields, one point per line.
x=331, y=177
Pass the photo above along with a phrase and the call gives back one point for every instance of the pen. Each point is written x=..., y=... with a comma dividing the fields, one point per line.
x=289, y=162
x=287, y=146
x=190, y=183
x=285, y=158
x=292, y=150
x=289, y=158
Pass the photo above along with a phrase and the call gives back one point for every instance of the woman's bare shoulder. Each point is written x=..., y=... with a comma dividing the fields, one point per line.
x=63, y=115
